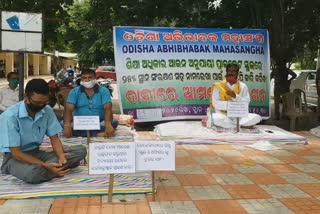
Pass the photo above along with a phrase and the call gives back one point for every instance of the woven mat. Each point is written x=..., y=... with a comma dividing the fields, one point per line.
x=75, y=183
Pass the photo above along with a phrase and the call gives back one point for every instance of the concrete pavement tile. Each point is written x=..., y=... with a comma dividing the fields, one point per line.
x=173, y=207
x=207, y=192
x=280, y=153
x=280, y=168
x=182, y=153
x=250, y=169
x=215, y=147
x=220, y=206
x=229, y=153
x=125, y=198
x=196, y=180
x=305, y=152
x=219, y=168
x=185, y=161
x=170, y=194
x=302, y=205
x=189, y=169
x=293, y=159
x=311, y=189
x=265, y=159
x=209, y=160
x=264, y=206
x=312, y=167
x=292, y=147
x=167, y=180
x=246, y=191
x=284, y=191
x=266, y=178
x=225, y=179
x=298, y=178
x=196, y=153
x=313, y=159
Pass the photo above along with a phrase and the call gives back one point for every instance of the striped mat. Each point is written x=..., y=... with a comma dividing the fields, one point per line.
x=76, y=183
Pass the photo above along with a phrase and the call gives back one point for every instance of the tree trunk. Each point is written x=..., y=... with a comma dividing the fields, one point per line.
x=279, y=51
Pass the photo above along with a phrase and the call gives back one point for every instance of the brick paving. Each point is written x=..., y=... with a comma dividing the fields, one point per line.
x=228, y=179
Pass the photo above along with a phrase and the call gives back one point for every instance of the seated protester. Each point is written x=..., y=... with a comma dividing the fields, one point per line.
x=9, y=94
x=23, y=127
x=89, y=99
x=230, y=89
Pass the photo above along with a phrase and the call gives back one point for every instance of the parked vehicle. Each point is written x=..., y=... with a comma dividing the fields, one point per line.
x=306, y=81
x=106, y=72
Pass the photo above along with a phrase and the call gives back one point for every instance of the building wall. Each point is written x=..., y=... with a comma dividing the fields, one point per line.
x=34, y=64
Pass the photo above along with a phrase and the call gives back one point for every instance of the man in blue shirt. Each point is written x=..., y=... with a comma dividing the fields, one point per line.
x=89, y=99
x=23, y=127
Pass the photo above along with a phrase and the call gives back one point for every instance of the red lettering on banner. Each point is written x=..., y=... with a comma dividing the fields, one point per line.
x=254, y=94
x=151, y=95
x=247, y=37
x=212, y=37
x=262, y=95
x=132, y=96
x=259, y=38
x=203, y=37
x=128, y=36
x=177, y=35
x=196, y=93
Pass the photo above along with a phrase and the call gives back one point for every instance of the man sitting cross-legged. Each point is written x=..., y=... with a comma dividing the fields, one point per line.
x=89, y=99
x=23, y=127
x=230, y=89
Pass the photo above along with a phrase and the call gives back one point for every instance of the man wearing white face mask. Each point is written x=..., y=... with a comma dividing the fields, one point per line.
x=89, y=99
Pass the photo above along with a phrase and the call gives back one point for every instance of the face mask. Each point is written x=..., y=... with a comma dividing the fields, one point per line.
x=14, y=83
x=231, y=79
x=89, y=84
x=35, y=108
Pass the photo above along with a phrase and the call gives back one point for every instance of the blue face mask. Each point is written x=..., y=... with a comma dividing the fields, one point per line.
x=14, y=83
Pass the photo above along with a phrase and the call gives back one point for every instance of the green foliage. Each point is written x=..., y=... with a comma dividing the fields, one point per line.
x=293, y=24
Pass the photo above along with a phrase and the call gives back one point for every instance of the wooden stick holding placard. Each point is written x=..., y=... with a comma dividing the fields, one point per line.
x=110, y=191
x=238, y=124
x=88, y=136
x=153, y=186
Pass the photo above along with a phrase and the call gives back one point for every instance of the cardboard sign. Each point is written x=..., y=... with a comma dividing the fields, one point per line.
x=86, y=123
x=110, y=158
x=238, y=109
x=155, y=155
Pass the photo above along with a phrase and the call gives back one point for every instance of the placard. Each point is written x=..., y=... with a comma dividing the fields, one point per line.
x=238, y=109
x=155, y=155
x=110, y=158
x=86, y=123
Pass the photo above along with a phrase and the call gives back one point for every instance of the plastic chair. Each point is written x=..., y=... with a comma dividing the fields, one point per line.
x=292, y=108
x=302, y=94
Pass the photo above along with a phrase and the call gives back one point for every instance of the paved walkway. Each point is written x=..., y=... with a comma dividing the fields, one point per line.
x=212, y=179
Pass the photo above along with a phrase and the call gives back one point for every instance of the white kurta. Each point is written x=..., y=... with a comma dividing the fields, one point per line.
x=220, y=119
x=8, y=97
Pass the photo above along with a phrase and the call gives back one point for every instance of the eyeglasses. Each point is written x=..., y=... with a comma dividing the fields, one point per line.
x=37, y=102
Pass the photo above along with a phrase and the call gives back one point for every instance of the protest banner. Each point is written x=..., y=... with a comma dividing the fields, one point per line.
x=166, y=73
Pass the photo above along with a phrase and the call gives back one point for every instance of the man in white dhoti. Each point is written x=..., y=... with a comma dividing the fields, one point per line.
x=230, y=89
